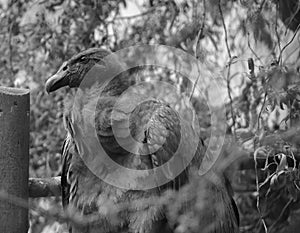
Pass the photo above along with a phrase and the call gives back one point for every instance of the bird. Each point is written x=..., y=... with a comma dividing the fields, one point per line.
x=156, y=131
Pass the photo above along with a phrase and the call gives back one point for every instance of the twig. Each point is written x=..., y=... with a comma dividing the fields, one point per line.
x=262, y=107
x=276, y=27
x=13, y=199
x=291, y=40
x=281, y=214
x=230, y=99
x=225, y=30
x=199, y=36
x=228, y=71
x=261, y=6
x=56, y=213
x=175, y=12
x=249, y=45
x=44, y=187
x=292, y=18
x=293, y=52
x=257, y=198
x=200, y=32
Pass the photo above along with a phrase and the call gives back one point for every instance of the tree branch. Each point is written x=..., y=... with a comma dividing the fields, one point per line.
x=44, y=187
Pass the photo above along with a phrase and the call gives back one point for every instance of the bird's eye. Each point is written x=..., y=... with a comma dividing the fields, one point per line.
x=65, y=68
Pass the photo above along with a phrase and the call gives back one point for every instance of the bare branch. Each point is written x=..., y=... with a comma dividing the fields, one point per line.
x=261, y=6
x=175, y=12
x=291, y=40
x=200, y=33
x=225, y=30
x=44, y=187
x=228, y=71
x=199, y=36
x=292, y=18
x=249, y=45
x=276, y=27
x=281, y=214
x=257, y=197
x=260, y=112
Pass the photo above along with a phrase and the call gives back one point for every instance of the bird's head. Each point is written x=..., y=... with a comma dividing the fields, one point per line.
x=72, y=72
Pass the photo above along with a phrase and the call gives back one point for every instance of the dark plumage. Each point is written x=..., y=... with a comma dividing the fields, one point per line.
x=153, y=122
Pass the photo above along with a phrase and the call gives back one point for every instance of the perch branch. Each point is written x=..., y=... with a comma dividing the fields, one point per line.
x=44, y=187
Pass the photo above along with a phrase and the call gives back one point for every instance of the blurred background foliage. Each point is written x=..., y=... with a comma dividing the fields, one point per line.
x=251, y=46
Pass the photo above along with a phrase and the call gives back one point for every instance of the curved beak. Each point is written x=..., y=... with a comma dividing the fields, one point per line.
x=58, y=80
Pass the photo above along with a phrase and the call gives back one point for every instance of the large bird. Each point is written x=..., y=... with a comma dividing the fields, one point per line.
x=157, y=131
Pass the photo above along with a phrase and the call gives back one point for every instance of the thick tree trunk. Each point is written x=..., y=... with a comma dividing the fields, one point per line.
x=14, y=157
